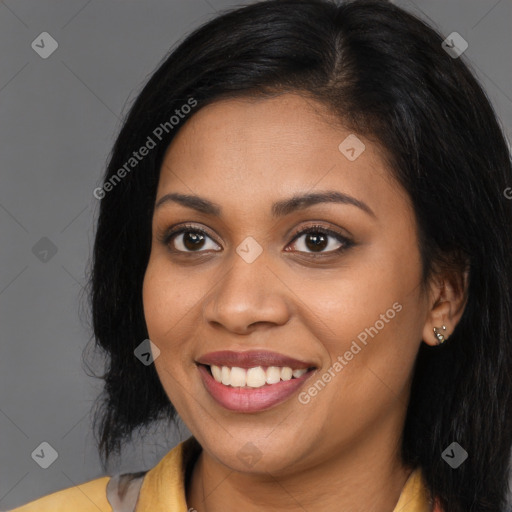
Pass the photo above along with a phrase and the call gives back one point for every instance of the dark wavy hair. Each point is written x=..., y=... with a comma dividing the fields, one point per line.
x=385, y=75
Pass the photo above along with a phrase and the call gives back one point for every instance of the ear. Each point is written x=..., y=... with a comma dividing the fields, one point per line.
x=447, y=300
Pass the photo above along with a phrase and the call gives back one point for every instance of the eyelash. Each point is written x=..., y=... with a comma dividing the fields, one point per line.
x=168, y=236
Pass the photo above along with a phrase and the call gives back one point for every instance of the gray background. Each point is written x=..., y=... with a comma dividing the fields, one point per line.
x=59, y=117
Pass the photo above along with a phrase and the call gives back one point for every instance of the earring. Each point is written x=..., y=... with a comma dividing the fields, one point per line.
x=441, y=338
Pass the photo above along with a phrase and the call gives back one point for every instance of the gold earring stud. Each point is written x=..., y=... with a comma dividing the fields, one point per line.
x=441, y=337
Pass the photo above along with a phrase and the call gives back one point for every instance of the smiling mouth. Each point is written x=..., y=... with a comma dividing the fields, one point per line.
x=255, y=377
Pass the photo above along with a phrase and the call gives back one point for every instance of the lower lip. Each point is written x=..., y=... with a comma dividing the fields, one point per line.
x=251, y=400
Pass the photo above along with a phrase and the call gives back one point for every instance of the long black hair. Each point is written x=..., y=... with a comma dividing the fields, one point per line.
x=386, y=75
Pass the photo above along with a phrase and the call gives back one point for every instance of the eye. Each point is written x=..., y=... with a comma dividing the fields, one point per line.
x=318, y=238
x=187, y=239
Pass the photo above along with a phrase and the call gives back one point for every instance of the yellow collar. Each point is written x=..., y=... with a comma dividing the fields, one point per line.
x=163, y=488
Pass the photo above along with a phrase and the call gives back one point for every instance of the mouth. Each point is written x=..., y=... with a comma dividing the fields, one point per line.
x=252, y=381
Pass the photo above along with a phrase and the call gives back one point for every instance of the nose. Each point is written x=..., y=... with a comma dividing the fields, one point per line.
x=247, y=296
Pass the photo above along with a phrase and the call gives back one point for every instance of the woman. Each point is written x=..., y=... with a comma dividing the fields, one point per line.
x=305, y=212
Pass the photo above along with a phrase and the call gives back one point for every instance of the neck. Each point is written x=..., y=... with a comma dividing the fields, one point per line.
x=360, y=480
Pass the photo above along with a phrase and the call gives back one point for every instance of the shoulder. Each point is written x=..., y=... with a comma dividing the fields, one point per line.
x=123, y=491
x=415, y=496
x=90, y=496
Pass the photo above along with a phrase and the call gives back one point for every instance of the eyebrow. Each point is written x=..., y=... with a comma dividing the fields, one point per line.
x=279, y=208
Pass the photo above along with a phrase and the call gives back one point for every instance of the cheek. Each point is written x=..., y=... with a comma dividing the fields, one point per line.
x=164, y=306
x=167, y=297
x=172, y=299
x=371, y=324
x=155, y=301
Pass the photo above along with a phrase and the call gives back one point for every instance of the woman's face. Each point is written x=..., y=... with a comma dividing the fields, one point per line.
x=344, y=299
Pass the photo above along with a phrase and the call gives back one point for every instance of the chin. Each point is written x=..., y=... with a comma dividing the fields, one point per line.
x=255, y=453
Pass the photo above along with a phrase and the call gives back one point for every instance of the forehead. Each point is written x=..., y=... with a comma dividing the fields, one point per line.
x=270, y=147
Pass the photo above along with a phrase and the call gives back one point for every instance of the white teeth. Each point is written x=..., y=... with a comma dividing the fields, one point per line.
x=273, y=374
x=254, y=377
x=238, y=377
x=226, y=376
x=216, y=372
x=286, y=373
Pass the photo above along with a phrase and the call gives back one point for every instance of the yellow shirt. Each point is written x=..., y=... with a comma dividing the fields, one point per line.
x=162, y=489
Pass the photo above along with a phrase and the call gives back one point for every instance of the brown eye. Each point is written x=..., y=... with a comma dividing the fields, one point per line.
x=192, y=241
x=316, y=241
x=189, y=240
x=317, y=238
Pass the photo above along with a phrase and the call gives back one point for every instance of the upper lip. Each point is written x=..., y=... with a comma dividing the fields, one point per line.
x=251, y=359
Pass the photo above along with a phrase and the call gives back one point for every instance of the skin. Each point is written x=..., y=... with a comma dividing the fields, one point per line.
x=340, y=450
